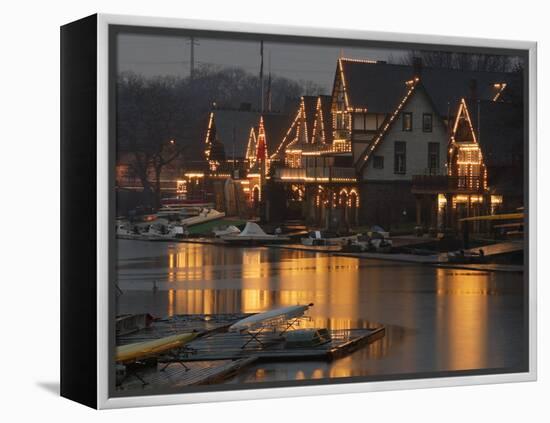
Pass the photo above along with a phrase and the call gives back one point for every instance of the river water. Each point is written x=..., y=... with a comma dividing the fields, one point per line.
x=436, y=319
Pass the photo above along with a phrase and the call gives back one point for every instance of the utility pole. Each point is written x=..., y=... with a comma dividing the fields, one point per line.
x=193, y=42
x=269, y=94
x=262, y=76
x=234, y=141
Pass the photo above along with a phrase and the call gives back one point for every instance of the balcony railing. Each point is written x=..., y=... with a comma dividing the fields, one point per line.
x=317, y=174
x=338, y=146
x=444, y=183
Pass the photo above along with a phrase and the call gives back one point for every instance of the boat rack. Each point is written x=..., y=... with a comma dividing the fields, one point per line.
x=216, y=354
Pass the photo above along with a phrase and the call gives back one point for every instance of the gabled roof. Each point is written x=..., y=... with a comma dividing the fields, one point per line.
x=304, y=120
x=373, y=85
x=288, y=137
x=233, y=129
x=310, y=106
x=275, y=125
x=376, y=85
x=252, y=144
x=407, y=91
x=326, y=103
x=463, y=128
x=499, y=128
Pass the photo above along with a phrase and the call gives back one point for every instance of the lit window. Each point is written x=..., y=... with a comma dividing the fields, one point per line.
x=427, y=122
x=407, y=121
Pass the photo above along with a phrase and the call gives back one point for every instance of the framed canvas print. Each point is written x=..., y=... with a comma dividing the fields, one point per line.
x=255, y=211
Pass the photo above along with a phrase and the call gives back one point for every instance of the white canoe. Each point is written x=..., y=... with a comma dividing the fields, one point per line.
x=275, y=316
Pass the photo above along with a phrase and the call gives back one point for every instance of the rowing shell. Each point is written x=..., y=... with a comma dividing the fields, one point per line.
x=142, y=350
x=275, y=316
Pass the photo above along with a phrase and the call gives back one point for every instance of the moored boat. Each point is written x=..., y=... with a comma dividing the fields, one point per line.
x=316, y=238
x=465, y=257
x=228, y=230
x=253, y=234
x=205, y=215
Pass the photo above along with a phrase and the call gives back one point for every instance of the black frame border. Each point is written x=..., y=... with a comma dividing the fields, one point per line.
x=78, y=186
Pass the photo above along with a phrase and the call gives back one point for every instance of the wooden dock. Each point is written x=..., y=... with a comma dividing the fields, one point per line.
x=233, y=346
x=175, y=375
x=216, y=354
x=309, y=248
x=499, y=248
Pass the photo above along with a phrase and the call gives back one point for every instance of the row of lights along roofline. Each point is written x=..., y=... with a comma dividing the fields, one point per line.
x=319, y=112
x=301, y=120
x=300, y=117
x=412, y=84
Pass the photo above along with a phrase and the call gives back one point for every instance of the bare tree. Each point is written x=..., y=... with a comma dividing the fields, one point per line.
x=158, y=119
x=149, y=127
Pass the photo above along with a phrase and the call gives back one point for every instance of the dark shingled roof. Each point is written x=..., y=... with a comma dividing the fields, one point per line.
x=240, y=121
x=499, y=128
x=326, y=103
x=310, y=105
x=276, y=125
x=376, y=86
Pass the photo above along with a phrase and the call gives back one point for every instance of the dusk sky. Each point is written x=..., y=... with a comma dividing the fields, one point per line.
x=153, y=55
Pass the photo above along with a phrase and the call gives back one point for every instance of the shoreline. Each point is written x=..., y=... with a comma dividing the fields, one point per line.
x=430, y=260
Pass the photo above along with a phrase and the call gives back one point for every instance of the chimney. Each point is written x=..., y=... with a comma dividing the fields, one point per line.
x=473, y=89
x=417, y=66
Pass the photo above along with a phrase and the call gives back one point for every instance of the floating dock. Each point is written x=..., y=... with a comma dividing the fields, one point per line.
x=232, y=346
x=175, y=375
x=216, y=354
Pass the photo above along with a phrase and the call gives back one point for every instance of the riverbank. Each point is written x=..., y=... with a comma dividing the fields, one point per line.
x=438, y=260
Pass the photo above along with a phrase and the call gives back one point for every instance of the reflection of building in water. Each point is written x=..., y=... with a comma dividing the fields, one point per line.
x=256, y=295
x=263, y=286
x=203, y=301
x=462, y=305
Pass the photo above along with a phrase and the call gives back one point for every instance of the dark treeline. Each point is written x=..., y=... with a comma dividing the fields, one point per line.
x=463, y=61
x=161, y=120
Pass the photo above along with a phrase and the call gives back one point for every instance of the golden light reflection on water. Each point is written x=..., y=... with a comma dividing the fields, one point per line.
x=435, y=318
x=335, y=298
x=462, y=312
x=313, y=371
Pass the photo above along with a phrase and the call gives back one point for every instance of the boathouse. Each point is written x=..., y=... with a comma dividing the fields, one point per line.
x=485, y=166
x=389, y=125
